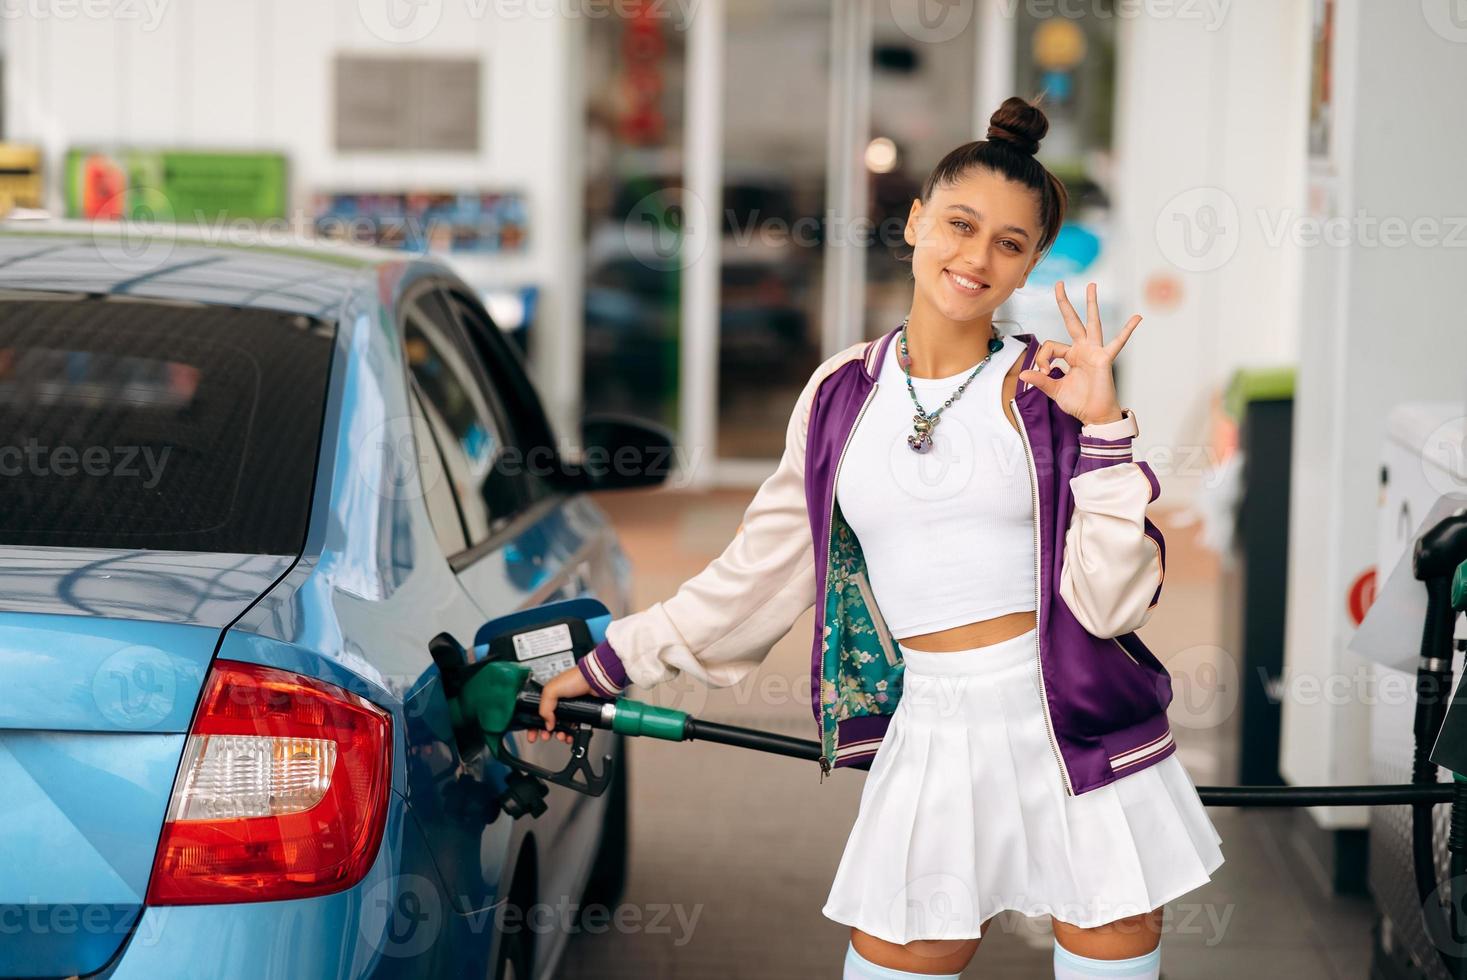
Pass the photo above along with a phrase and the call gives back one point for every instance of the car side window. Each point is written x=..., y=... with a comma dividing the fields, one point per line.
x=528, y=431
x=443, y=509
x=469, y=431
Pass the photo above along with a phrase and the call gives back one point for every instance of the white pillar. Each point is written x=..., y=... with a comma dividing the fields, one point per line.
x=703, y=229
x=844, y=298
x=995, y=41
x=558, y=350
x=1209, y=153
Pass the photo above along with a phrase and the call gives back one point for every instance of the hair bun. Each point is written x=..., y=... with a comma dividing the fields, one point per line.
x=1018, y=123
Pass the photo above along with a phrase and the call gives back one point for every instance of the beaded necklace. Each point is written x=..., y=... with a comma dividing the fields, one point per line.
x=922, y=423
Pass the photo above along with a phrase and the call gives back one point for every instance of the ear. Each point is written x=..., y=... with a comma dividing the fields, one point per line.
x=909, y=233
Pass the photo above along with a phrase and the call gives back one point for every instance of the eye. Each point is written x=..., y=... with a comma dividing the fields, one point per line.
x=1012, y=245
x=961, y=225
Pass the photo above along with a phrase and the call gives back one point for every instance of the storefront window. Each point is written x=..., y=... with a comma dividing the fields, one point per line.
x=776, y=107
x=634, y=172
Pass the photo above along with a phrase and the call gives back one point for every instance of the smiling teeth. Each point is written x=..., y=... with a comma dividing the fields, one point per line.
x=966, y=283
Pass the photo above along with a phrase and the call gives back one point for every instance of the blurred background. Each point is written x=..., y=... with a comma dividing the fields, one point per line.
x=678, y=208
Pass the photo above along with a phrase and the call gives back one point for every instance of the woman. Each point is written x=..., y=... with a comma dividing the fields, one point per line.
x=979, y=561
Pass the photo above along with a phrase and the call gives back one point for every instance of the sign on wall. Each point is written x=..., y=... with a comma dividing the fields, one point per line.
x=407, y=104
x=425, y=221
x=20, y=176
x=174, y=185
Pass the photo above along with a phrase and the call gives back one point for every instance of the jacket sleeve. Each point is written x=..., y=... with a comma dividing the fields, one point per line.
x=1115, y=557
x=722, y=622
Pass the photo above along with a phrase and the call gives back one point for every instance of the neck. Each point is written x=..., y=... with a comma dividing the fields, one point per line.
x=940, y=347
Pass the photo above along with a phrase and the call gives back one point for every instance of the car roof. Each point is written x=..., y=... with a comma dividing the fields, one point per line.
x=180, y=263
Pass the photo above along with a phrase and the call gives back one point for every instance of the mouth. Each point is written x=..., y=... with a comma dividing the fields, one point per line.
x=964, y=284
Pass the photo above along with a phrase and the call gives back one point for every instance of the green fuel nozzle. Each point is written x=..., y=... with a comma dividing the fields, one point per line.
x=490, y=698
x=497, y=691
x=494, y=701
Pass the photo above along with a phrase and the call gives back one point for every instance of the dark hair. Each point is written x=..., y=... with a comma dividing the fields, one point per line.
x=1014, y=132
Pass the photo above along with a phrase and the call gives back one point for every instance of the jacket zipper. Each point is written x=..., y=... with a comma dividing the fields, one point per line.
x=1038, y=599
x=826, y=762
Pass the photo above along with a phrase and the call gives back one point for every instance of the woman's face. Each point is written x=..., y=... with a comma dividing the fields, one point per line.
x=974, y=243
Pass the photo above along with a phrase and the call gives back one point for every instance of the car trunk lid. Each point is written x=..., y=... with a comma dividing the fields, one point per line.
x=105, y=653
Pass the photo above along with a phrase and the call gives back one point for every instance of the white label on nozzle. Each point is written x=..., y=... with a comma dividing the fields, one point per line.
x=542, y=642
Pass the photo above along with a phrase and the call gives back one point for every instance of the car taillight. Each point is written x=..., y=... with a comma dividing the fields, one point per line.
x=282, y=792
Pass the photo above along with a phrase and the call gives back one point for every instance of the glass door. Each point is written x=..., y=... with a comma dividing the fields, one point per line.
x=776, y=104
x=635, y=73
x=923, y=80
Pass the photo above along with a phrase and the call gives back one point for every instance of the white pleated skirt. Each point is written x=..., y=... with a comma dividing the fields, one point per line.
x=964, y=813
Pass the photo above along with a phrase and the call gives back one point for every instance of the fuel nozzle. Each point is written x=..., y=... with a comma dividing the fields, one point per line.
x=488, y=699
x=497, y=690
x=1439, y=552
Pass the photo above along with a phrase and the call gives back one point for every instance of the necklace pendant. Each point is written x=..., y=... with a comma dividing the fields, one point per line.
x=920, y=440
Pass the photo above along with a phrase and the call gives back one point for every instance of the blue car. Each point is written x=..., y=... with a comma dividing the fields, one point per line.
x=243, y=491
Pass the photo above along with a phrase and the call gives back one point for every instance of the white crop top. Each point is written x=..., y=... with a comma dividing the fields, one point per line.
x=948, y=534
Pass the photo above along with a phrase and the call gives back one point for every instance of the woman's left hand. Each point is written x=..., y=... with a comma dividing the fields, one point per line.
x=1088, y=390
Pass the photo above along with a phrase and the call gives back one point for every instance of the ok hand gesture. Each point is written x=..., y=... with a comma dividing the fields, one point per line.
x=1087, y=391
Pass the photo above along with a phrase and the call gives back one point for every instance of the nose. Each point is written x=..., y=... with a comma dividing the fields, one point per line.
x=974, y=260
x=974, y=264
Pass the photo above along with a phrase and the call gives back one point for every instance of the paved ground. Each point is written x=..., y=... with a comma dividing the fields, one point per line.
x=733, y=852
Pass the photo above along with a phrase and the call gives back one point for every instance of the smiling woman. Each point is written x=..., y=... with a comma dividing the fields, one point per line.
x=967, y=809
x=977, y=586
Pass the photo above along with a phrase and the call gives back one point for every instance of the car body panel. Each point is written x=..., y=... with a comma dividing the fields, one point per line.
x=92, y=805
x=164, y=267
x=104, y=655
x=116, y=641
x=389, y=925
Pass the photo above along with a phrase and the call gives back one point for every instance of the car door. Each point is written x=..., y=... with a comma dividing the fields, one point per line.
x=528, y=540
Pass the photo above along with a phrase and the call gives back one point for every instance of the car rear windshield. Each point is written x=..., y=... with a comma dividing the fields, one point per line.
x=179, y=427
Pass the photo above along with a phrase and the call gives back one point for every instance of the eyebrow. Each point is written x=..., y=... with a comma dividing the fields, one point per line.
x=978, y=216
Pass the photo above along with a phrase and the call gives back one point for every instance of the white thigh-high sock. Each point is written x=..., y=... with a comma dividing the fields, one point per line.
x=860, y=968
x=1073, y=966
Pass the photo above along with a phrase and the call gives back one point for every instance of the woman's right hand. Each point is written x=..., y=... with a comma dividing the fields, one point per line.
x=569, y=683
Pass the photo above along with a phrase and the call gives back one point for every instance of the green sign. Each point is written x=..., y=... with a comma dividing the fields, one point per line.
x=174, y=185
